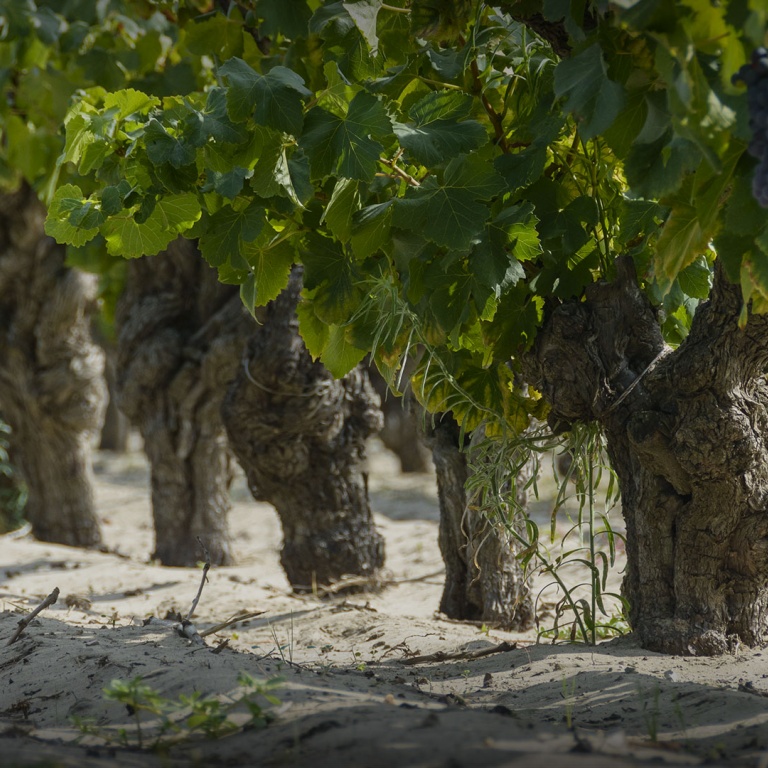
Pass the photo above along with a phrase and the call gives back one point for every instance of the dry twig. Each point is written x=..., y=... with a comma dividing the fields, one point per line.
x=445, y=656
x=230, y=622
x=206, y=568
x=371, y=582
x=23, y=623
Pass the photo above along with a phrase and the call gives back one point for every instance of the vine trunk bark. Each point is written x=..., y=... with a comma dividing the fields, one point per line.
x=300, y=437
x=116, y=428
x=686, y=432
x=180, y=338
x=402, y=432
x=52, y=391
x=483, y=578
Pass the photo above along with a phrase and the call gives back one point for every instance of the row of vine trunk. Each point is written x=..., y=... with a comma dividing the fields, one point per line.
x=202, y=380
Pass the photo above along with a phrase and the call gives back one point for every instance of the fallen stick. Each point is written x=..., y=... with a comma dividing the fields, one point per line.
x=23, y=623
x=230, y=622
x=373, y=582
x=445, y=656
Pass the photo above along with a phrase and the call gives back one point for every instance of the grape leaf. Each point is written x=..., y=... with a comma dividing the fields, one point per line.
x=657, y=169
x=451, y=213
x=279, y=100
x=287, y=18
x=217, y=34
x=681, y=241
x=228, y=184
x=248, y=293
x=441, y=105
x=228, y=229
x=364, y=13
x=171, y=216
x=67, y=200
x=270, y=265
x=370, y=229
x=344, y=201
x=510, y=236
x=696, y=279
x=340, y=356
x=589, y=94
x=436, y=135
x=164, y=147
x=214, y=121
x=328, y=274
x=328, y=343
x=312, y=330
x=274, y=100
x=346, y=146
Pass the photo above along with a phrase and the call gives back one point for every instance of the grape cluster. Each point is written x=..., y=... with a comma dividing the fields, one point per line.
x=755, y=76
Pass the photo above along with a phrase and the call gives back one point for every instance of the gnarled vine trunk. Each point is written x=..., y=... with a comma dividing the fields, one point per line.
x=180, y=339
x=300, y=437
x=401, y=432
x=52, y=390
x=116, y=428
x=483, y=578
x=686, y=433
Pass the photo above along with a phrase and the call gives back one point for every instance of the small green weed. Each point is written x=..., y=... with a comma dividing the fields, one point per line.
x=498, y=466
x=569, y=689
x=651, y=710
x=159, y=722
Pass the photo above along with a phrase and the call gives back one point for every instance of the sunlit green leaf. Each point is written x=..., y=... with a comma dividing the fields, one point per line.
x=67, y=200
x=364, y=13
x=171, y=216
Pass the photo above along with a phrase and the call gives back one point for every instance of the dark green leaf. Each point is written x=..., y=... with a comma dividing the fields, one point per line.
x=638, y=218
x=370, y=229
x=217, y=35
x=111, y=200
x=290, y=19
x=436, y=135
x=279, y=100
x=696, y=279
x=348, y=146
x=243, y=87
x=216, y=123
x=522, y=169
x=451, y=213
x=229, y=184
x=328, y=274
x=162, y=147
x=270, y=260
x=657, y=169
x=344, y=201
x=589, y=94
x=228, y=229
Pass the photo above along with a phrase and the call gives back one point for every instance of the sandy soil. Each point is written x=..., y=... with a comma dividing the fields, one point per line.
x=354, y=691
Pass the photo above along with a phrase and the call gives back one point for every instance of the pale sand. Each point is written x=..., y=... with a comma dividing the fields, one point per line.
x=349, y=699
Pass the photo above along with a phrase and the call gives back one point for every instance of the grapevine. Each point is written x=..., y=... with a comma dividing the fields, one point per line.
x=755, y=76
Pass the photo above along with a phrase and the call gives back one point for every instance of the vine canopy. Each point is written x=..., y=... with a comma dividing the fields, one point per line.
x=444, y=171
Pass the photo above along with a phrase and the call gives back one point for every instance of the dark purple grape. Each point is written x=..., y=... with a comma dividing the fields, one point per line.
x=755, y=76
